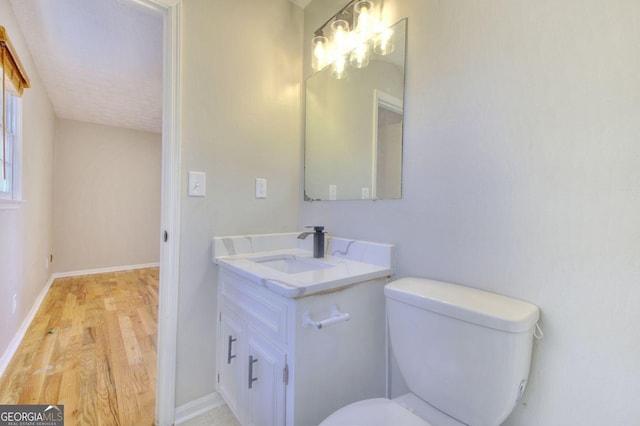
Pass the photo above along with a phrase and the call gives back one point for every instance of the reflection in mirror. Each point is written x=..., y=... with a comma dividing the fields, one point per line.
x=353, y=134
x=387, y=183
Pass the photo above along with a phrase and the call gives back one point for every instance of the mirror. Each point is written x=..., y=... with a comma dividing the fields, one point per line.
x=353, y=132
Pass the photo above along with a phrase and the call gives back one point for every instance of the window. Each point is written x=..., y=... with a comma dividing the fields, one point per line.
x=10, y=150
x=13, y=81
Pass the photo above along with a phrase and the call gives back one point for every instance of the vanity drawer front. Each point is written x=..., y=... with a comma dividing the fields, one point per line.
x=266, y=311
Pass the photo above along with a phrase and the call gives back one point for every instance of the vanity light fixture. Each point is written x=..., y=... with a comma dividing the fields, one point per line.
x=351, y=34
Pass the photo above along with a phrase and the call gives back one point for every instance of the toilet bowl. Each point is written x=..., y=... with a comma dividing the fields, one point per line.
x=477, y=343
x=407, y=410
x=374, y=412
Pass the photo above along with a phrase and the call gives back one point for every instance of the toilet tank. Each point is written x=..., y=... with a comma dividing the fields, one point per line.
x=467, y=352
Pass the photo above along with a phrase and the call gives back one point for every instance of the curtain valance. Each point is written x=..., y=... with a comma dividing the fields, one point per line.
x=11, y=65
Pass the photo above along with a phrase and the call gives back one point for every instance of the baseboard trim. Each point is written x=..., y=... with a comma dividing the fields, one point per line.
x=17, y=338
x=197, y=407
x=105, y=270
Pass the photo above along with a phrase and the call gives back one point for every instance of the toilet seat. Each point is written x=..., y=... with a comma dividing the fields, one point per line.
x=374, y=412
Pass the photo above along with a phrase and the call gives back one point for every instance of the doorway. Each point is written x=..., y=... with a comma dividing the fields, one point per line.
x=170, y=211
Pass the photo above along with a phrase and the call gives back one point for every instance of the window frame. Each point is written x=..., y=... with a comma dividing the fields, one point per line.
x=12, y=199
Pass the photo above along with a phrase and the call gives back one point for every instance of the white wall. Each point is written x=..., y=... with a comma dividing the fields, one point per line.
x=107, y=196
x=241, y=74
x=522, y=176
x=26, y=233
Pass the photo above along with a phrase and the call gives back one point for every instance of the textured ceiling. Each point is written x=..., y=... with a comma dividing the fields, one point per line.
x=100, y=60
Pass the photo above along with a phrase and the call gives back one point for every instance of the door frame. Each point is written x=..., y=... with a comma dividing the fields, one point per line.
x=170, y=210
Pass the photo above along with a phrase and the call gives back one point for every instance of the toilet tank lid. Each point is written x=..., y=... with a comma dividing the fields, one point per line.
x=465, y=303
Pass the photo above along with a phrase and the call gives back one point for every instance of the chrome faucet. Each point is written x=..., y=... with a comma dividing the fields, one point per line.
x=318, y=240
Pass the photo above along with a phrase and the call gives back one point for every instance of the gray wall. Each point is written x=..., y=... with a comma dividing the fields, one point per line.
x=107, y=196
x=26, y=233
x=521, y=176
x=241, y=74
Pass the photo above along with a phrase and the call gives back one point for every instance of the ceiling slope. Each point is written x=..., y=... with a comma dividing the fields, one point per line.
x=100, y=60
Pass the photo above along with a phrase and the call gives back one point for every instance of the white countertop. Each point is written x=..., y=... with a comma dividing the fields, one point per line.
x=341, y=269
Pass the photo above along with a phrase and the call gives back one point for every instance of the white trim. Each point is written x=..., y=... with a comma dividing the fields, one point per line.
x=170, y=220
x=163, y=3
x=197, y=407
x=391, y=103
x=105, y=270
x=170, y=211
x=15, y=194
x=388, y=101
x=10, y=204
x=17, y=154
x=301, y=3
x=373, y=194
x=17, y=338
x=154, y=6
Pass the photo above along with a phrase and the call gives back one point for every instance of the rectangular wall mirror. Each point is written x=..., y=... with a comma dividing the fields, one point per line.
x=353, y=128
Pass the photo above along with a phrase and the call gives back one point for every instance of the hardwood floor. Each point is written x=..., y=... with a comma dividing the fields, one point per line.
x=92, y=348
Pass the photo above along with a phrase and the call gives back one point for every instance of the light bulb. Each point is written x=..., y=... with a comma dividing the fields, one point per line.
x=319, y=55
x=359, y=57
x=340, y=31
x=363, y=11
x=339, y=68
x=383, y=44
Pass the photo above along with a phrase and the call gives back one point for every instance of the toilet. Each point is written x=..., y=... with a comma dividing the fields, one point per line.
x=463, y=353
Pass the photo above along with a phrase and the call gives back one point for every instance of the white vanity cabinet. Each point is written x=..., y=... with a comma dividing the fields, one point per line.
x=252, y=368
x=230, y=336
x=273, y=371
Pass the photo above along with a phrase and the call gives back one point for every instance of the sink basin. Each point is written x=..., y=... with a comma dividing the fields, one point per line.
x=284, y=264
x=291, y=264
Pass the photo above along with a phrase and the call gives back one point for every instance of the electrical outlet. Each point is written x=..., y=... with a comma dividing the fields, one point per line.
x=15, y=304
x=365, y=193
x=261, y=188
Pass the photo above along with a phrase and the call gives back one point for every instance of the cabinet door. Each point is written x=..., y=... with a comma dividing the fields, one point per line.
x=266, y=381
x=229, y=359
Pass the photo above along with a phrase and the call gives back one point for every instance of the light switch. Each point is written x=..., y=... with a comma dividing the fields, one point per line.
x=261, y=188
x=333, y=192
x=197, y=184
